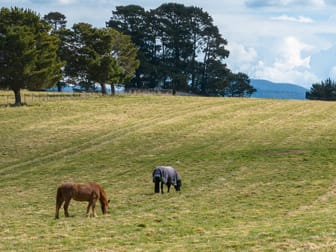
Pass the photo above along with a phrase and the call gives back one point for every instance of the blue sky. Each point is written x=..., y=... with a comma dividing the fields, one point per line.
x=291, y=41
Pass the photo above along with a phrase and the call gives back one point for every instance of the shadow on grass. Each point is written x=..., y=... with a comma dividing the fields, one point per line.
x=13, y=105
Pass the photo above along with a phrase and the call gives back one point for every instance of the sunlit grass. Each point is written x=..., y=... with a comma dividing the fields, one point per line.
x=257, y=174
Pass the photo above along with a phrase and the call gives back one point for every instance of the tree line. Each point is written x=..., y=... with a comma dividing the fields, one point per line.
x=179, y=48
x=172, y=46
x=325, y=91
x=38, y=53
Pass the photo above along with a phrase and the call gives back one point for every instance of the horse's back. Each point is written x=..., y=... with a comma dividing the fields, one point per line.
x=66, y=185
x=168, y=174
x=65, y=190
x=79, y=192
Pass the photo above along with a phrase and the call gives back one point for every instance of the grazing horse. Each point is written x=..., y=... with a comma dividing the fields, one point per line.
x=166, y=175
x=90, y=192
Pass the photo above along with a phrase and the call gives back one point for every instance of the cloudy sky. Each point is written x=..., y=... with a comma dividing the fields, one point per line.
x=291, y=41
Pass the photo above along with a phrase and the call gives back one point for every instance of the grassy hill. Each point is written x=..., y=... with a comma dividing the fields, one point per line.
x=256, y=174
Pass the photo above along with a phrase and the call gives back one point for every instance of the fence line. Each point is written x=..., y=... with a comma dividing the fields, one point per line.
x=29, y=98
x=6, y=99
x=148, y=91
x=35, y=97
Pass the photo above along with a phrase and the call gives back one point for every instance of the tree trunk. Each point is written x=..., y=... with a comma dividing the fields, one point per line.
x=17, y=95
x=112, y=89
x=174, y=89
x=59, y=87
x=103, y=86
x=137, y=78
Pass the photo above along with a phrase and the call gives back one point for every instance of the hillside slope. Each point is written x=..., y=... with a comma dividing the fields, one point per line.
x=268, y=89
x=256, y=174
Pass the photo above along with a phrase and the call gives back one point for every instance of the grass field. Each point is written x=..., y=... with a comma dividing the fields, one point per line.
x=257, y=175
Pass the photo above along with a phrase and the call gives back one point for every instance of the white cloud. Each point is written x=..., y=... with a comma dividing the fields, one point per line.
x=299, y=19
x=313, y=3
x=289, y=64
x=290, y=53
x=65, y=2
x=332, y=73
x=241, y=52
x=285, y=3
x=276, y=73
x=241, y=59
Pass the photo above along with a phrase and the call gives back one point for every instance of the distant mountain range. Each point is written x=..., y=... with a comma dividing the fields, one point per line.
x=268, y=89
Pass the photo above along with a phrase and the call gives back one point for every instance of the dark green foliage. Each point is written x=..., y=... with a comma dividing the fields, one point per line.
x=134, y=21
x=58, y=24
x=239, y=86
x=98, y=55
x=179, y=48
x=326, y=90
x=28, y=52
x=56, y=20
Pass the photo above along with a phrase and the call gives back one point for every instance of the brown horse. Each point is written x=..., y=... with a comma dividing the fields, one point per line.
x=90, y=192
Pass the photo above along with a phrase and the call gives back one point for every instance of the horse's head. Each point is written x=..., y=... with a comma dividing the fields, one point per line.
x=178, y=185
x=104, y=201
x=105, y=205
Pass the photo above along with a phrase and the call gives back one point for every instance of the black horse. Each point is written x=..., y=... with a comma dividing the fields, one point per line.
x=166, y=175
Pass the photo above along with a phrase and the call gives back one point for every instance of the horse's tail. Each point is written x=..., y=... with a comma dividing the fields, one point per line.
x=59, y=201
x=58, y=196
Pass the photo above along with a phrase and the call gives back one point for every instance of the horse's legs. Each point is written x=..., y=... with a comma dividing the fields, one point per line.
x=168, y=185
x=66, y=206
x=88, y=208
x=162, y=187
x=157, y=185
x=94, y=207
x=59, y=202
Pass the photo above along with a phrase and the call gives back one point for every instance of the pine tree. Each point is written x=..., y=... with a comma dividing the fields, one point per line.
x=28, y=52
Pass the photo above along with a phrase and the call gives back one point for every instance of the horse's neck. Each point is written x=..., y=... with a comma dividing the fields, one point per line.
x=102, y=195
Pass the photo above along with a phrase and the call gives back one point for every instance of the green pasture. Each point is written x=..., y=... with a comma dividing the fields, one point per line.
x=257, y=175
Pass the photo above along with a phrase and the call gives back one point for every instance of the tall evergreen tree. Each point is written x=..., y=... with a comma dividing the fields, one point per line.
x=58, y=24
x=28, y=52
x=134, y=21
x=180, y=45
x=56, y=19
x=176, y=49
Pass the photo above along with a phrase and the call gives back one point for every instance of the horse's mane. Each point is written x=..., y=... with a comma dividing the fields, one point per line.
x=103, y=195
